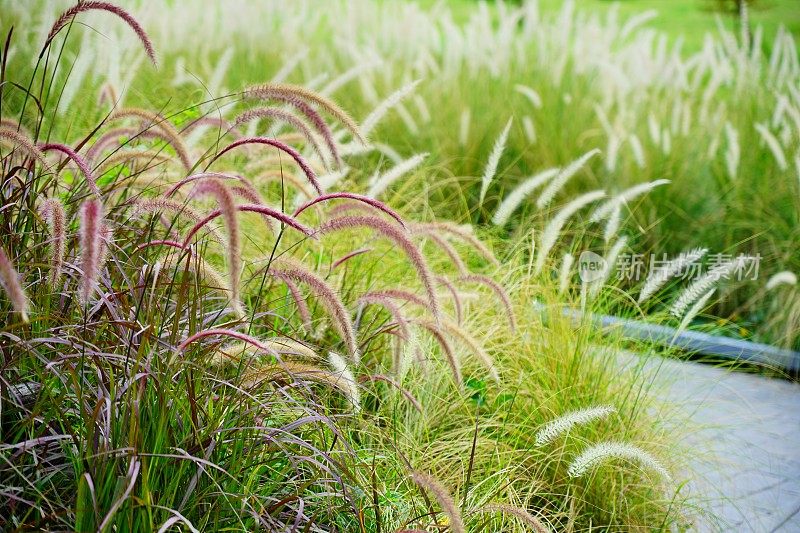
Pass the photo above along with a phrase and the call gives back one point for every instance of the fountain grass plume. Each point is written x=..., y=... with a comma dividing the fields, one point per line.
x=77, y=159
x=774, y=145
x=624, y=197
x=524, y=516
x=511, y=202
x=502, y=295
x=401, y=294
x=7, y=123
x=465, y=234
x=371, y=202
x=401, y=239
x=703, y=284
x=494, y=159
x=456, y=331
x=230, y=333
x=602, y=452
x=346, y=257
x=221, y=123
x=53, y=212
x=267, y=212
x=15, y=138
x=781, y=278
x=200, y=176
x=375, y=116
x=151, y=205
x=285, y=268
x=563, y=177
x=393, y=174
x=450, y=355
x=150, y=156
x=299, y=301
x=82, y=7
x=10, y=279
x=551, y=232
x=160, y=123
x=448, y=249
x=561, y=425
x=273, y=90
x=659, y=277
x=294, y=154
x=455, y=296
x=285, y=116
x=227, y=208
x=449, y=507
x=91, y=236
x=111, y=138
x=343, y=373
x=388, y=303
x=695, y=309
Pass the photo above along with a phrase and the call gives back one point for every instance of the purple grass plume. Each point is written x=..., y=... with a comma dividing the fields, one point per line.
x=10, y=279
x=91, y=244
x=77, y=159
x=430, y=484
x=227, y=208
x=371, y=202
x=294, y=154
x=400, y=238
x=82, y=7
x=284, y=268
x=53, y=213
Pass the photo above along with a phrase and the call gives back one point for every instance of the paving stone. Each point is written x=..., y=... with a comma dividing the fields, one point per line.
x=748, y=446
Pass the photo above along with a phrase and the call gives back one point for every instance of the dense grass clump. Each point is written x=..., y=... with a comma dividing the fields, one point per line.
x=233, y=306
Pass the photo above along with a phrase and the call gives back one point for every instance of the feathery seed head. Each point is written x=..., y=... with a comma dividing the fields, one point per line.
x=552, y=430
x=81, y=7
x=605, y=451
x=53, y=212
x=91, y=243
x=400, y=238
x=442, y=495
x=10, y=280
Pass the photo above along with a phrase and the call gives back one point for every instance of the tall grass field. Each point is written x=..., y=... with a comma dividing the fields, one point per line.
x=301, y=266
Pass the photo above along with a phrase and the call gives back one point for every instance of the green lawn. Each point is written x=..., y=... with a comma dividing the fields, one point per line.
x=689, y=18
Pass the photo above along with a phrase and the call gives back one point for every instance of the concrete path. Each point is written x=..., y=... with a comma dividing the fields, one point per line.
x=748, y=447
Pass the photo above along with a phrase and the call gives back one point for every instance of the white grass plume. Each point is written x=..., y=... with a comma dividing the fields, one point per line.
x=613, y=224
x=530, y=94
x=494, y=159
x=463, y=129
x=605, y=451
x=781, y=278
x=555, y=428
x=774, y=146
x=624, y=197
x=395, y=173
x=637, y=150
x=661, y=276
x=343, y=373
x=558, y=183
x=529, y=129
x=387, y=105
x=733, y=152
x=701, y=286
x=511, y=202
x=693, y=311
x=553, y=229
